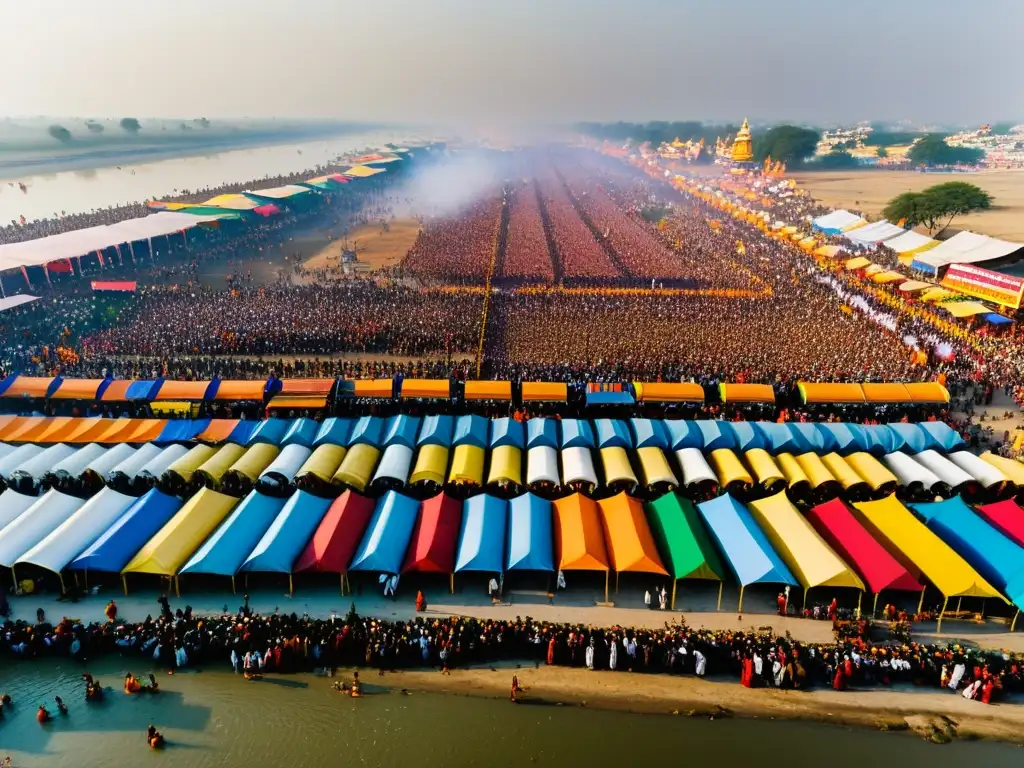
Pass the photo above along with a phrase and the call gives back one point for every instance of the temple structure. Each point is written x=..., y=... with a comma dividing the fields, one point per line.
x=743, y=145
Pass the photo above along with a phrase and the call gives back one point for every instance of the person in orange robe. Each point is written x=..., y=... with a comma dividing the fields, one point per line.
x=421, y=602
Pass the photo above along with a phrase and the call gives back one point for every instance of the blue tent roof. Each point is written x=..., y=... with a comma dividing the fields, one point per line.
x=470, y=429
x=401, y=429
x=807, y=438
x=182, y=430
x=777, y=437
x=878, y=438
x=914, y=438
x=387, y=536
x=840, y=438
x=577, y=433
x=143, y=390
x=747, y=551
x=117, y=546
x=482, y=538
x=715, y=434
x=242, y=432
x=224, y=552
x=683, y=434
x=613, y=433
x=507, y=431
x=301, y=432
x=649, y=433
x=610, y=398
x=542, y=432
x=288, y=535
x=270, y=431
x=992, y=554
x=530, y=544
x=747, y=435
x=436, y=430
x=943, y=435
x=369, y=430
x=995, y=319
x=334, y=431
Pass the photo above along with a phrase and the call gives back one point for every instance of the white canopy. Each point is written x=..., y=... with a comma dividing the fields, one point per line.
x=10, y=302
x=542, y=465
x=394, y=464
x=131, y=466
x=40, y=463
x=908, y=241
x=874, y=233
x=283, y=468
x=946, y=470
x=74, y=464
x=156, y=466
x=578, y=466
x=12, y=504
x=280, y=193
x=909, y=472
x=78, y=532
x=17, y=457
x=966, y=248
x=979, y=469
x=696, y=470
x=7, y=449
x=104, y=465
x=840, y=219
x=34, y=524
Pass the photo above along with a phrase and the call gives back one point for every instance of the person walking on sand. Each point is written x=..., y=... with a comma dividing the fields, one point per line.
x=662, y=598
x=647, y=599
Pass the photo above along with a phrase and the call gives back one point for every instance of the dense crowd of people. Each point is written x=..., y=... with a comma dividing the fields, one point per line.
x=527, y=256
x=580, y=255
x=457, y=247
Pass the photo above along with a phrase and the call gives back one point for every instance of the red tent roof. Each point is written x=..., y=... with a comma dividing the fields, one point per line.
x=852, y=541
x=1006, y=516
x=334, y=544
x=432, y=547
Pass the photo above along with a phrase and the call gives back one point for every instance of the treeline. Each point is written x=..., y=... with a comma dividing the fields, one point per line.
x=658, y=131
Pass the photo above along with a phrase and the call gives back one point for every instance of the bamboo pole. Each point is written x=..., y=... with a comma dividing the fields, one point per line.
x=451, y=582
x=741, y=599
x=63, y=589
x=341, y=578
x=942, y=613
x=860, y=596
x=616, y=582
x=1013, y=624
x=177, y=587
x=920, y=603
x=959, y=600
x=674, y=583
x=291, y=585
x=874, y=606
x=720, y=583
x=124, y=584
x=606, y=586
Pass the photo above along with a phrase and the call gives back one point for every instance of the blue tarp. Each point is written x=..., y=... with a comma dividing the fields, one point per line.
x=995, y=319
x=143, y=390
x=401, y=429
x=182, y=430
x=530, y=544
x=878, y=439
x=913, y=437
x=577, y=433
x=369, y=430
x=840, y=438
x=507, y=431
x=224, y=552
x=943, y=435
x=715, y=435
x=482, y=538
x=242, y=432
x=118, y=545
x=993, y=555
x=542, y=433
x=288, y=535
x=684, y=434
x=436, y=430
x=613, y=433
x=334, y=431
x=610, y=398
x=270, y=431
x=387, y=536
x=747, y=551
x=807, y=438
x=649, y=433
x=301, y=432
x=471, y=429
x=777, y=436
x=747, y=435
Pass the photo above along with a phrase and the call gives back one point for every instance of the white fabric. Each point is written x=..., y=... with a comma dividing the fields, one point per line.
x=40, y=464
x=6, y=450
x=34, y=524
x=966, y=248
x=578, y=466
x=280, y=193
x=542, y=465
x=696, y=469
x=908, y=241
x=946, y=470
x=12, y=504
x=978, y=468
x=156, y=466
x=874, y=233
x=130, y=467
x=18, y=456
x=78, y=532
x=909, y=472
x=105, y=464
x=283, y=468
x=10, y=302
x=840, y=219
x=73, y=465
x=394, y=464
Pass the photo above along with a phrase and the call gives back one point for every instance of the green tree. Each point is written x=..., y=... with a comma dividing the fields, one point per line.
x=788, y=143
x=60, y=133
x=130, y=124
x=93, y=126
x=837, y=159
x=937, y=206
x=933, y=150
x=881, y=152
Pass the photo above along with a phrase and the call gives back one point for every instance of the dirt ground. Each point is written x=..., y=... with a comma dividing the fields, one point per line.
x=374, y=248
x=869, y=191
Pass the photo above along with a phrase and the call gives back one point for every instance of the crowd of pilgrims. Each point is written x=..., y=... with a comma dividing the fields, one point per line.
x=288, y=643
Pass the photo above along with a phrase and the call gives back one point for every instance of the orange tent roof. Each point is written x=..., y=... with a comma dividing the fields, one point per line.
x=29, y=425
x=372, y=387
x=230, y=389
x=830, y=393
x=77, y=389
x=77, y=427
x=436, y=388
x=146, y=431
x=579, y=541
x=182, y=390
x=116, y=430
x=747, y=393
x=14, y=426
x=631, y=546
x=218, y=430
x=927, y=392
x=306, y=386
x=545, y=390
x=29, y=386
x=298, y=401
x=117, y=391
x=669, y=392
x=488, y=390
x=892, y=392
x=6, y=420
x=97, y=428
x=51, y=432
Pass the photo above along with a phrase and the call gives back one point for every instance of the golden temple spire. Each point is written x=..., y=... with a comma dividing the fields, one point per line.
x=743, y=145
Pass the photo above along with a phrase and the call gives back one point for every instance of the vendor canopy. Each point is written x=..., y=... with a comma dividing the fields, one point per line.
x=432, y=548
x=631, y=546
x=851, y=540
x=809, y=557
x=910, y=241
x=836, y=221
x=985, y=284
x=579, y=541
x=1006, y=516
x=747, y=551
x=334, y=542
x=387, y=536
x=139, y=523
x=34, y=524
x=12, y=504
x=226, y=550
x=530, y=542
x=964, y=248
x=171, y=547
x=686, y=549
x=482, y=538
x=874, y=233
x=997, y=558
x=920, y=550
x=287, y=536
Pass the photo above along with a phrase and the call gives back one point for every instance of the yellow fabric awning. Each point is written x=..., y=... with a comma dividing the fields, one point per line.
x=888, y=392
x=936, y=294
x=551, y=391
x=438, y=389
x=912, y=286
x=298, y=401
x=729, y=470
x=746, y=393
x=323, y=462
x=357, y=467
x=887, y=277
x=431, y=465
x=874, y=269
x=372, y=387
x=927, y=392
x=828, y=251
x=229, y=389
x=857, y=263
x=964, y=308
x=467, y=465
x=811, y=392
x=488, y=390
x=669, y=392
x=873, y=472
x=506, y=466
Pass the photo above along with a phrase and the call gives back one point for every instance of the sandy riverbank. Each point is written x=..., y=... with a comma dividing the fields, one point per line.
x=375, y=248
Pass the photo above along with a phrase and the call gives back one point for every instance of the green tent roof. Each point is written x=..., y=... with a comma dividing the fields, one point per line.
x=682, y=541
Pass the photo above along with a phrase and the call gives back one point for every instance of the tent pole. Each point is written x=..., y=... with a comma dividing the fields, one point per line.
x=233, y=590
x=177, y=587
x=983, y=600
x=674, y=584
x=874, y=606
x=63, y=589
x=945, y=600
x=804, y=606
x=959, y=600
x=606, y=586
x=15, y=577
x=1013, y=624
x=348, y=583
x=451, y=582
x=720, y=583
x=741, y=599
x=860, y=596
x=85, y=578
x=920, y=603
x=341, y=578
x=124, y=583
x=291, y=585
x=616, y=582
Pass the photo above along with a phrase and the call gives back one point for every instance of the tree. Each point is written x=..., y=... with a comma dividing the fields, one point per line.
x=933, y=150
x=93, y=127
x=882, y=152
x=60, y=133
x=943, y=202
x=837, y=159
x=788, y=143
x=130, y=124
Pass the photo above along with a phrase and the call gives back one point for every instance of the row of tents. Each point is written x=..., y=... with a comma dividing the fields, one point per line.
x=869, y=546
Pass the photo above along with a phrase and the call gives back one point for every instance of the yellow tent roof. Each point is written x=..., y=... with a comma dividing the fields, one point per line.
x=858, y=263
x=791, y=470
x=467, y=465
x=809, y=557
x=828, y=251
x=323, y=462
x=936, y=294
x=841, y=471
x=729, y=469
x=431, y=465
x=887, y=277
x=873, y=472
x=173, y=544
x=233, y=201
x=964, y=308
x=506, y=465
x=357, y=467
x=213, y=469
x=186, y=466
x=874, y=269
x=910, y=286
x=764, y=469
x=922, y=551
x=256, y=459
x=362, y=171
x=814, y=470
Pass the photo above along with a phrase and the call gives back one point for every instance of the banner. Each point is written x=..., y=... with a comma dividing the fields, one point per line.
x=985, y=284
x=108, y=285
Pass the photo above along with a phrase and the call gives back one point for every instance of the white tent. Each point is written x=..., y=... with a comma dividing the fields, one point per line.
x=130, y=467
x=394, y=464
x=948, y=472
x=103, y=465
x=74, y=464
x=696, y=470
x=874, y=233
x=78, y=532
x=37, y=466
x=6, y=449
x=979, y=469
x=908, y=241
x=12, y=504
x=282, y=469
x=909, y=473
x=17, y=457
x=964, y=248
x=840, y=219
x=578, y=466
x=34, y=524
x=10, y=302
x=542, y=465
x=156, y=466
x=280, y=193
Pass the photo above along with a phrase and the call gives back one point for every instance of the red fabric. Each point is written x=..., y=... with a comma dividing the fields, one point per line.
x=334, y=544
x=1007, y=516
x=112, y=285
x=432, y=547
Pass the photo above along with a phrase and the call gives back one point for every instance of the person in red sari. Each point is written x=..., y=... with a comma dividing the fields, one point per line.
x=838, y=682
x=748, y=672
x=551, y=651
x=986, y=691
x=833, y=610
x=421, y=602
x=781, y=602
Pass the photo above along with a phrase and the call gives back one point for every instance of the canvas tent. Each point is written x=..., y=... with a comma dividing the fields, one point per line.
x=686, y=550
x=334, y=543
x=530, y=538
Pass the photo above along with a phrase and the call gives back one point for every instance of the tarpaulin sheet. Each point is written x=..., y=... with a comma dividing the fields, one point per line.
x=434, y=539
x=251, y=464
x=715, y=434
x=669, y=392
x=811, y=392
x=431, y=465
x=334, y=431
x=271, y=431
x=467, y=465
x=686, y=550
x=840, y=438
x=224, y=552
x=219, y=430
x=162, y=461
x=302, y=432
x=322, y=463
x=779, y=438
x=288, y=534
x=843, y=473
x=577, y=433
x=182, y=430
x=613, y=433
x=747, y=550
x=284, y=467
x=1011, y=468
x=436, y=430
x=400, y=429
x=29, y=386
x=506, y=466
x=357, y=467
x=387, y=536
x=530, y=538
x=507, y=432
x=211, y=471
x=242, y=432
x=12, y=504
x=334, y=542
x=1006, y=516
x=746, y=393
x=910, y=473
x=544, y=391
x=631, y=546
x=126, y=536
x=649, y=433
x=39, y=464
x=368, y=430
x=16, y=458
x=748, y=436
x=683, y=433
x=696, y=470
x=394, y=465
x=34, y=524
x=988, y=475
x=873, y=472
x=914, y=438
x=578, y=466
x=807, y=437
x=80, y=389
x=184, y=390
x=765, y=471
x=579, y=536
x=542, y=432
x=228, y=389
x=609, y=398
x=470, y=429
x=655, y=468
x=73, y=465
x=542, y=466
x=488, y=390
x=948, y=472
x=729, y=470
x=943, y=434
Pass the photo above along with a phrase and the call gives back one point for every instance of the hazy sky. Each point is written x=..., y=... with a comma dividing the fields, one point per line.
x=530, y=61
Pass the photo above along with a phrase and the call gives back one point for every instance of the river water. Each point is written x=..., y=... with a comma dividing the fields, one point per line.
x=81, y=191
x=217, y=718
